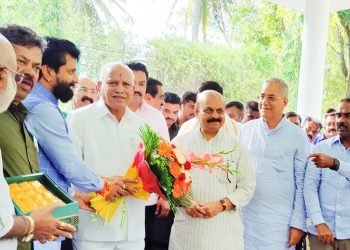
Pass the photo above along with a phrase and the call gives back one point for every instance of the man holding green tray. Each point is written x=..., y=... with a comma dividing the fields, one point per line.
x=40, y=225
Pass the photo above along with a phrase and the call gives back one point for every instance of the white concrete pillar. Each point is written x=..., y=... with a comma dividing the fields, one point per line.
x=313, y=57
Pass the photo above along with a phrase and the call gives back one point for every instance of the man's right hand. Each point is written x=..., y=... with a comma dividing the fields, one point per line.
x=47, y=227
x=324, y=233
x=195, y=210
x=120, y=188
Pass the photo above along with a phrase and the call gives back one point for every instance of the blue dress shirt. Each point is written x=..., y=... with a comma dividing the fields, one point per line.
x=319, y=138
x=280, y=157
x=327, y=192
x=57, y=155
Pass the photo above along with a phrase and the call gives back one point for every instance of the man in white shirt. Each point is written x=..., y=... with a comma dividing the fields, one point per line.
x=40, y=225
x=213, y=220
x=106, y=136
x=156, y=208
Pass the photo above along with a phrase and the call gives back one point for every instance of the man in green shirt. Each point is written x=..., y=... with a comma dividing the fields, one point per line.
x=19, y=152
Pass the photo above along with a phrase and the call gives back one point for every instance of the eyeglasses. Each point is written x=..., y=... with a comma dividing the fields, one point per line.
x=270, y=98
x=86, y=90
x=309, y=129
x=19, y=77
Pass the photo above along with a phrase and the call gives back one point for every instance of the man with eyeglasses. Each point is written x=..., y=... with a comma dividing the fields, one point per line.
x=275, y=217
x=40, y=224
x=19, y=151
x=327, y=187
x=212, y=221
x=85, y=93
x=312, y=127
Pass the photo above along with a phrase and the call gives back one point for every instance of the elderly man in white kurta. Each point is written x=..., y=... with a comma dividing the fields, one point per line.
x=275, y=217
x=106, y=135
x=213, y=220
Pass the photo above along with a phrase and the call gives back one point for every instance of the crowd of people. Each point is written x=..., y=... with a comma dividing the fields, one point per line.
x=292, y=180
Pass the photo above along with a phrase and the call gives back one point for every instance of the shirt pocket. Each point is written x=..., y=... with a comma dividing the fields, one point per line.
x=275, y=161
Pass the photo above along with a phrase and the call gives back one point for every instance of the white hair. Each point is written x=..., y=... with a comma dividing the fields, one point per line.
x=7, y=95
x=283, y=85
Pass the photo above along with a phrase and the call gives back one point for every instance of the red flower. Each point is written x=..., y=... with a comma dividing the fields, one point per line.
x=188, y=165
x=182, y=177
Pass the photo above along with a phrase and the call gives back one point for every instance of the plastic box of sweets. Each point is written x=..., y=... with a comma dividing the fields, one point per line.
x=68, y=213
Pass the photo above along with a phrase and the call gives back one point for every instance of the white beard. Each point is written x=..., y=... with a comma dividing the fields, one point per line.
x=7, y=95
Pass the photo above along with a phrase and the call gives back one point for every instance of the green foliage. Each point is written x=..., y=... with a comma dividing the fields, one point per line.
x=184, y=65
x=265, y=41
x=77, y=21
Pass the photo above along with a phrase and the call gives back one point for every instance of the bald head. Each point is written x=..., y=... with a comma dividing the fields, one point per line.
x=7, y=81
x=203, y=97
x=120, y=69
x=210, y=111
x=8, y=56
x=117, y=87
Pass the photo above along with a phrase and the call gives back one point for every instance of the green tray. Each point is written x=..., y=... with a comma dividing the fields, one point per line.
x=68, y=213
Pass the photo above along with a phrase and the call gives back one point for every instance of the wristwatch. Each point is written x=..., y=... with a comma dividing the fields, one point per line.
x=223, y=204
x=335, y=165
x=29, y=236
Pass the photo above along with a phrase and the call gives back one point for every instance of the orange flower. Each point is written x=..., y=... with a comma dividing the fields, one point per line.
x=186, y=187
x=175, y=169
x=165, y=149
x=177, y=191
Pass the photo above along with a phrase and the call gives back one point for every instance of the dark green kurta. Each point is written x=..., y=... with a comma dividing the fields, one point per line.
x=19, y=154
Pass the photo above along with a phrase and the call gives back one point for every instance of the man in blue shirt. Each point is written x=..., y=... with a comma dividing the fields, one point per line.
x=329, y=126
x=57, y=155
x=275, y=217
x=327, y=187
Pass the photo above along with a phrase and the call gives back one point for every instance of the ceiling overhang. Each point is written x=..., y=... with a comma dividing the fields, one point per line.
x=299, y=5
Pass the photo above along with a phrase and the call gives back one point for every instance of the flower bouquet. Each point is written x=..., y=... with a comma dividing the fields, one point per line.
x=162, y=168
x=171, y=166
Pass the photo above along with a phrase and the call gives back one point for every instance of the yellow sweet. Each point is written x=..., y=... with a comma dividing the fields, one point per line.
x=14, y=187
x=31, y=195
x=25, y=185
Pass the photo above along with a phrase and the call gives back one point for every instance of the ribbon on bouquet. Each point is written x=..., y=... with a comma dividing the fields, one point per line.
x=146, y=184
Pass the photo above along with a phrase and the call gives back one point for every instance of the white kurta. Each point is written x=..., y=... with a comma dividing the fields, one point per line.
x=225, y=230
x=6, y=212
x=108, y=147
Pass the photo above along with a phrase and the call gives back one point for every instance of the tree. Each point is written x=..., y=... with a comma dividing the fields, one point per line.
x=343, y=35
x=205, y=12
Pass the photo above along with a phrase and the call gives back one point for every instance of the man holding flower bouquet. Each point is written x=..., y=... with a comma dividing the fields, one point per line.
x=212, y=221
x=106, y=135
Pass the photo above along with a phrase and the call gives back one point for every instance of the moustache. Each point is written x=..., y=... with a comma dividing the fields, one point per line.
x=137, y=93
x=28, y=79
x=86, y=98
x=332, y=130
x=214, y=120
x=169, y=119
